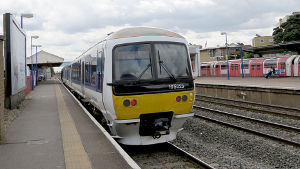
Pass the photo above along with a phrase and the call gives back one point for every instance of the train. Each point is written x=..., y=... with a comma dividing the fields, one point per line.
x=139, y=82
x=256, y=67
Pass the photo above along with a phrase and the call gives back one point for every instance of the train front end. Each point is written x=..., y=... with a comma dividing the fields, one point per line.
x=152, y=89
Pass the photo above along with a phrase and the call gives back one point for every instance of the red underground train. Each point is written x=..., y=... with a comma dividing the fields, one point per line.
x=257, y=67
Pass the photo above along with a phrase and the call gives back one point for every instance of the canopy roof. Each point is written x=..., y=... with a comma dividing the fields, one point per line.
x=276, y=48
x=45, y=59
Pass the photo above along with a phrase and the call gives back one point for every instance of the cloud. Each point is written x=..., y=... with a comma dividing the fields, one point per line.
x=67, y=27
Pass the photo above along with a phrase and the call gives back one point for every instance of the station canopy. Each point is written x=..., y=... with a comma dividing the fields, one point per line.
x=293, y=46
x=45, y=59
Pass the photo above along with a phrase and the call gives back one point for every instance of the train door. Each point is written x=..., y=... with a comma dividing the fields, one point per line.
x=208, y=69
x=252, y=67
x=99, y=81
x=231, y=68
x=245, y=68
x=223, y=69
x=259, y=65
x=202, y=69
x=212, y=69
x=282, y=66
x=82, y=76
x=297, y=66
x=218, y=69
x=238, y=68
x=99, y=72
x=290, y=62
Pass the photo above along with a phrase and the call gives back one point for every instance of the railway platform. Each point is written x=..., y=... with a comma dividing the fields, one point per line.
x=54, y=131
x=275, y=82
x=274, y=91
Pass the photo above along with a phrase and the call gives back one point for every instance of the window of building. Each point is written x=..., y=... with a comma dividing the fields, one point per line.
x=261, y=41
x=270, y=40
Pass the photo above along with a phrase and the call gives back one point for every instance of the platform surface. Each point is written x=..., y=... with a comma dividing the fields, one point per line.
x=280, y=83
x=53, y=132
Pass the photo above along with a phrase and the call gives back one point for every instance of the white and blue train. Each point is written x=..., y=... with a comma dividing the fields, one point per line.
x=140, y=81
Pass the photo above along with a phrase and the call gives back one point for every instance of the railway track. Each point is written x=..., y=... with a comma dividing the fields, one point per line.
x=160, y=156
x=287, y=134
x=166, y=155
x=281, y=111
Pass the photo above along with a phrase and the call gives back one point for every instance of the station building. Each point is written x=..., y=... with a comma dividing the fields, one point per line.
x=219, y=53
x=262, y=41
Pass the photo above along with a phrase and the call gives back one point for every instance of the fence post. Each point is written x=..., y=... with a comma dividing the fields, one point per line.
x=2, y=91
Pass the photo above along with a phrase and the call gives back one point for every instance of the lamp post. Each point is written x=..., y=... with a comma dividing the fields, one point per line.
x=36, y=66
x=31, y=58
x=25, y=15
x=224, y=33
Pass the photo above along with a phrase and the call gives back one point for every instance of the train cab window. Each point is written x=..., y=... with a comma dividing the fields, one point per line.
x=171, y=60
x=132, y=62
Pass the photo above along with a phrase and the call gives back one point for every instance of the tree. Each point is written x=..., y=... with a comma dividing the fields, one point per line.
x=288, y=31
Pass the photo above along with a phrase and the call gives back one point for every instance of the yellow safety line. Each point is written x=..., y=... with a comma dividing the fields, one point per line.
x=75, y=155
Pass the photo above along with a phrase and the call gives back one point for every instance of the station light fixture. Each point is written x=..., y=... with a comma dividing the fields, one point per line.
x=224, y=33
x=25, y=15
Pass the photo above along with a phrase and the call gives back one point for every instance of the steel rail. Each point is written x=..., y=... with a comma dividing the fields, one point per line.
x=248, y=108
x=296, y=144
x=254, y=103
x=190, y=156
x=250, y=118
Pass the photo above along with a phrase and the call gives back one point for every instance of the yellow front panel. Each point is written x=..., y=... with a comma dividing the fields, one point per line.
x=152, y=103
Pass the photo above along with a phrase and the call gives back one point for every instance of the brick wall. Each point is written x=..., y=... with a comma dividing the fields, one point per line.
x=2, y=92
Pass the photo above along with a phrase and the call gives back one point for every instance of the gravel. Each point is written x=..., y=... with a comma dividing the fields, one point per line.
x=224, y=147
x=257, y=126
x=158, y=156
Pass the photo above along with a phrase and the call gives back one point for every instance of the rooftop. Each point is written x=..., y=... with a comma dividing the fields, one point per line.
x=45, y=59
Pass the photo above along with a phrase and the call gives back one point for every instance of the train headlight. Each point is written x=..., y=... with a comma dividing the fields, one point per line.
x=133, y=102
x=184, y=98
x=126, y=103
x=178, y=98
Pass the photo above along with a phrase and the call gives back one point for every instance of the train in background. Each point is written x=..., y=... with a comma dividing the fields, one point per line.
x=257, y=67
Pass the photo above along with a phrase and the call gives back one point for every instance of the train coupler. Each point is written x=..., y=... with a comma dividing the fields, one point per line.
x=155, y=124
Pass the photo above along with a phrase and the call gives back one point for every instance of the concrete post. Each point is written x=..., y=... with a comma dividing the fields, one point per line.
x=2, y=92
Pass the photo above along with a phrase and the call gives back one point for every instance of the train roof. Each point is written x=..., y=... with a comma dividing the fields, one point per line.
x=143, y=31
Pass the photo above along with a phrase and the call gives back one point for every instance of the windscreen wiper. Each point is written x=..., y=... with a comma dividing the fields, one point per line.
x=161, y=64
x=140, y=76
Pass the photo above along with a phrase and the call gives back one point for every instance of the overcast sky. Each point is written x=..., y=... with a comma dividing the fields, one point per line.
x=67, y=28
